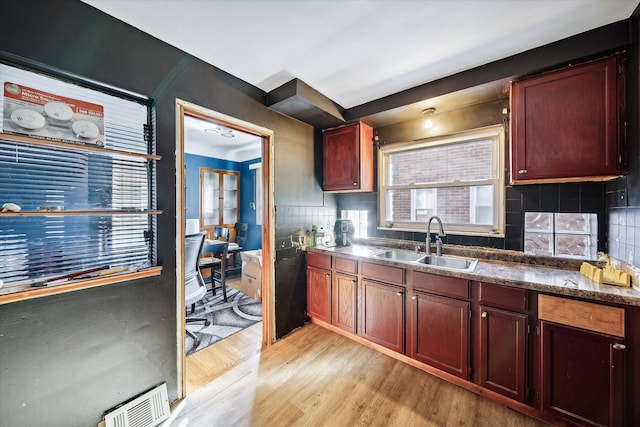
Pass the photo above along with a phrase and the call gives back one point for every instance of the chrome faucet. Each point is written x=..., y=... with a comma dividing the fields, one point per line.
x=438, y=237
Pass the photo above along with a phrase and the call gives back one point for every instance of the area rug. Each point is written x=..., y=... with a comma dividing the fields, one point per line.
x=227, y=318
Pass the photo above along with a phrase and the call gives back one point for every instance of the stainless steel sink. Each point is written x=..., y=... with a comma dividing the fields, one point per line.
x=398, y=255
x=449, y=262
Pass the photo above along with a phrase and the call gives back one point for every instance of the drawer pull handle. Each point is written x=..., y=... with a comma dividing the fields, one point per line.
x=484, y=314
x=619, y=346
x=522, y=171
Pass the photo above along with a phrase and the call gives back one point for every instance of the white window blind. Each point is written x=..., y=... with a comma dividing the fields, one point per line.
x=93, y=189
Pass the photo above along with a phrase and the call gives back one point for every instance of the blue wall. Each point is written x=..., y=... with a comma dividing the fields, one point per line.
x=247, y=213
x=194, y=162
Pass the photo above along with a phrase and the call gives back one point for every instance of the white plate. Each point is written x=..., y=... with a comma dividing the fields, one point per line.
x=85, y=129
x=27, y=119
x=58, y=110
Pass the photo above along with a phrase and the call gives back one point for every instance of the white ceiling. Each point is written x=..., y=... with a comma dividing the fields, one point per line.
x=216, y=141
x=355, y=51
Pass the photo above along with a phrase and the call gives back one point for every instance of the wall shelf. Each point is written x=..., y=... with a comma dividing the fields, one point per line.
x=19, y=139
x=83, y=212
x=18, y=292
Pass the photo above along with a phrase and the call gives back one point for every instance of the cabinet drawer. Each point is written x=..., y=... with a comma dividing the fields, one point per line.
x=502, y=296
x=383, y=273
x=318, y=260
x=346, y=265
x=441, y=285
x=584, y=315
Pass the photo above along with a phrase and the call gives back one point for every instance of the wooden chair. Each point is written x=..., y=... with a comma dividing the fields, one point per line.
x=217, y=266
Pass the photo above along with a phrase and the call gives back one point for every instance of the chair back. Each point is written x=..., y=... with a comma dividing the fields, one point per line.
x=221, y=233
x=242, y=230
x=194, y=285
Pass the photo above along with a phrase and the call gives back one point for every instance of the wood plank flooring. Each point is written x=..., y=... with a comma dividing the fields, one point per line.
x=315, y=377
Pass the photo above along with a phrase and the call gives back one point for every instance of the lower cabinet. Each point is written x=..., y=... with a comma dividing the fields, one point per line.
x=503, y=352
x=440, y=332
x=319, y=293
x=382, y=316
x=344, y=302
x=583, y=375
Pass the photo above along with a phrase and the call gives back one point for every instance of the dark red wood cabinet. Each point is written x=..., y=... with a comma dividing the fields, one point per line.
x=502, y=340
x=319, y=293
x=344, y=301
x=583, y=375
x=382, y=314
x=503, y=352
x=440, y=332
x=567, y=124
x=347, y=158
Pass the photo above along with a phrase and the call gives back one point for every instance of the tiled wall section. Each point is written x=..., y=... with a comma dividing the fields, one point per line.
x=624, y=235
x=289, y=220
x=587, y=197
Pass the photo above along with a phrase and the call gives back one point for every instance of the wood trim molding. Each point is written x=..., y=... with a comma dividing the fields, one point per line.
x=584, y=315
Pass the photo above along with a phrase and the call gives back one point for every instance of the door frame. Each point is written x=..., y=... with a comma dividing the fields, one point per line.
x=268, y=225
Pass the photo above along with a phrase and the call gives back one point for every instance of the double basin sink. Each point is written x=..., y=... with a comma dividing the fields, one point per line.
x=446, y=262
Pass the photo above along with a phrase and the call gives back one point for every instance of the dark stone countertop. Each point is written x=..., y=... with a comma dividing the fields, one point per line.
x=531, y=274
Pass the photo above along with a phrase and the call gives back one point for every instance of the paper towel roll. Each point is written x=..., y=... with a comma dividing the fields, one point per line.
x=193, y=226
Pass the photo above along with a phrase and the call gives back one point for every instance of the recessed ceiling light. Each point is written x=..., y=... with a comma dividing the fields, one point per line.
x=227, y=133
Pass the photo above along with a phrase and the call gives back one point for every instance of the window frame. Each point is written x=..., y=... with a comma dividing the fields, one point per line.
x=494, y=133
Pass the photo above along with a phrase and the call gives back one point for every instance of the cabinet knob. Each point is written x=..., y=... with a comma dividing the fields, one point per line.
x=355, y=183
x=619, y=346
x=399, y=293
x=327, y=275
x=484, y=314
x=414, y=297
x=522, y=171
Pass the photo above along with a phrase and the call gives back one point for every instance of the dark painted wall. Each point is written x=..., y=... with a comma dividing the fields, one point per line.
x=65, y=359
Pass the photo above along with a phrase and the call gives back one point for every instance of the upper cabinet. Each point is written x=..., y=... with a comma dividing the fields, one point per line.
x=347, y=158
x=567, y=124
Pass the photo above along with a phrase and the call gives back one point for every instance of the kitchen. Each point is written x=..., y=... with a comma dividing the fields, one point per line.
x=131, y=60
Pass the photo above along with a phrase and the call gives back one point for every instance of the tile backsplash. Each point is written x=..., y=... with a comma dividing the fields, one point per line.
x=624, y=235
x=588, y=197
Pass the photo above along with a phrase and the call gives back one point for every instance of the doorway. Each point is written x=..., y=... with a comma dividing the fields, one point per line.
x=186, y=112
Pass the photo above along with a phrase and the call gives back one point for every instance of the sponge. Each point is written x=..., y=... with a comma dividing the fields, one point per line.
x=591, y=272
x=616, y=277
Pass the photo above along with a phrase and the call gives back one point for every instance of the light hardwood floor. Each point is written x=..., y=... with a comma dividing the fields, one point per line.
x=315, y=377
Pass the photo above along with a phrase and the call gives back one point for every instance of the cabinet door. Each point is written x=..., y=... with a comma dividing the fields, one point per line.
x=440, y=333
x=503, y=350
x=566, y=124
x=582, y=375
x=344, y=297
x=319, y=294
x=382, y=319
x=347, y=158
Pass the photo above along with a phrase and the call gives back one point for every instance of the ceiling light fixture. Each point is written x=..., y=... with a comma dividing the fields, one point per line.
x=429, y=112
x=227, y=133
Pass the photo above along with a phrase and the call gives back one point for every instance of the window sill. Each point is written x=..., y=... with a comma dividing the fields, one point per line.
x=452, y=232
x=9, y=294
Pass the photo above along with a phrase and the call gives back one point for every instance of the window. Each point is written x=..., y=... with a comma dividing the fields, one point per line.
x=459, y=178
x=83, y=205
x=564, y=235
x=359, y=220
